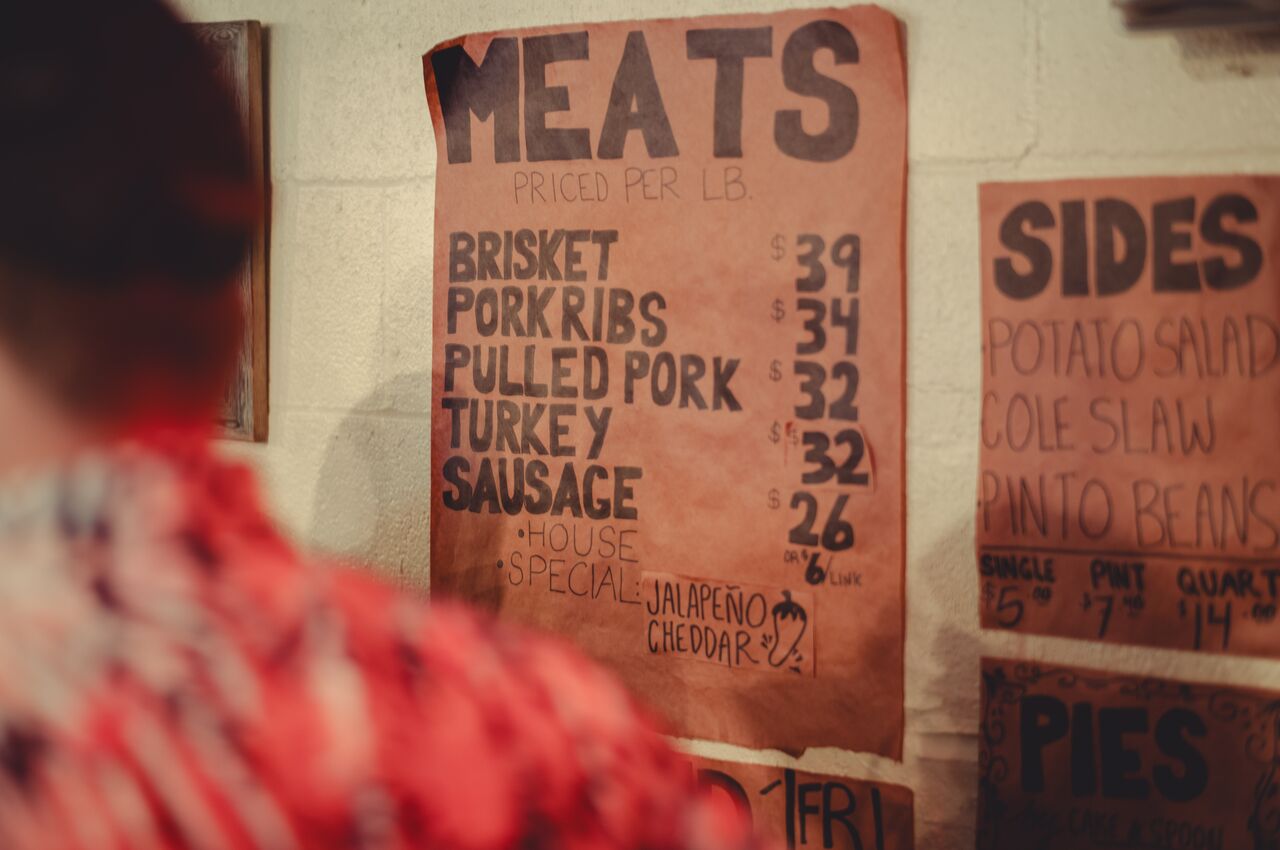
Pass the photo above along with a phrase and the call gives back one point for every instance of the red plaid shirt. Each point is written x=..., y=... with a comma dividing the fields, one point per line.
x=174, y=675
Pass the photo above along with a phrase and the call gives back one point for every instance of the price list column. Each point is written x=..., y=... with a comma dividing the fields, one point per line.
x=822, y=428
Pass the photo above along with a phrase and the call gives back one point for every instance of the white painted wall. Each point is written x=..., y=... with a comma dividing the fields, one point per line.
x=999, y=89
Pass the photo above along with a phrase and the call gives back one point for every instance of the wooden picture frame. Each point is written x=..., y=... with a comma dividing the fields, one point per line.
x=236, y=47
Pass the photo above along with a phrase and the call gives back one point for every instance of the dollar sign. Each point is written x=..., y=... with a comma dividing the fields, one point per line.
x=775, y=499
x=779, y=247
x=775, y=370
x=775, y=433
x=778, y=311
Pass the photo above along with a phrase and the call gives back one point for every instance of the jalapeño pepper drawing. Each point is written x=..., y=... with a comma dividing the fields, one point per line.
x=789, y=624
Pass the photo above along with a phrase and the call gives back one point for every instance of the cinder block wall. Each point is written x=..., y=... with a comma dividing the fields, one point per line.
x=999, y=89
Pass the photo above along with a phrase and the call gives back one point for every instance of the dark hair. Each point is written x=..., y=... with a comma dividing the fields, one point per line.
x=126, y=205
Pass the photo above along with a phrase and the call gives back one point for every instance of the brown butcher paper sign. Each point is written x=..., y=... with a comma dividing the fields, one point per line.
x=1129, y=485
x=1075, y=759
x=805, y=810
x=668, y=377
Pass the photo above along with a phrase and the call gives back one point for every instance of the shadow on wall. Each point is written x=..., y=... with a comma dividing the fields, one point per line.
x=944, y=651
x=373, y=494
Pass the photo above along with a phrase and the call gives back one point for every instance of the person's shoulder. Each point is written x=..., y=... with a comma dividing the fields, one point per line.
x=521, y=726
x=449, y=640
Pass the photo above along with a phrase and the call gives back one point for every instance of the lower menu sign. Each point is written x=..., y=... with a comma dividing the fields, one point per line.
x=668, y=384
x=1073, y=759
x=805, y=810
x=1130, y=478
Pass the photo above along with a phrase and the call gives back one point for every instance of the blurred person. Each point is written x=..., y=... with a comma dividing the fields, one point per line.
x=173, y=674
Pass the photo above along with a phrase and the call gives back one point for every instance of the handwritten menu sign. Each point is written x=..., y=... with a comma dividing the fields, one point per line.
x=1131, y=380
x=801, y=810
x=668, y=376
x=1072, y=759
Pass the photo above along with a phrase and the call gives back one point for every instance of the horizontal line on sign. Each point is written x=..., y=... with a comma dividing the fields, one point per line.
x=1115, y=553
